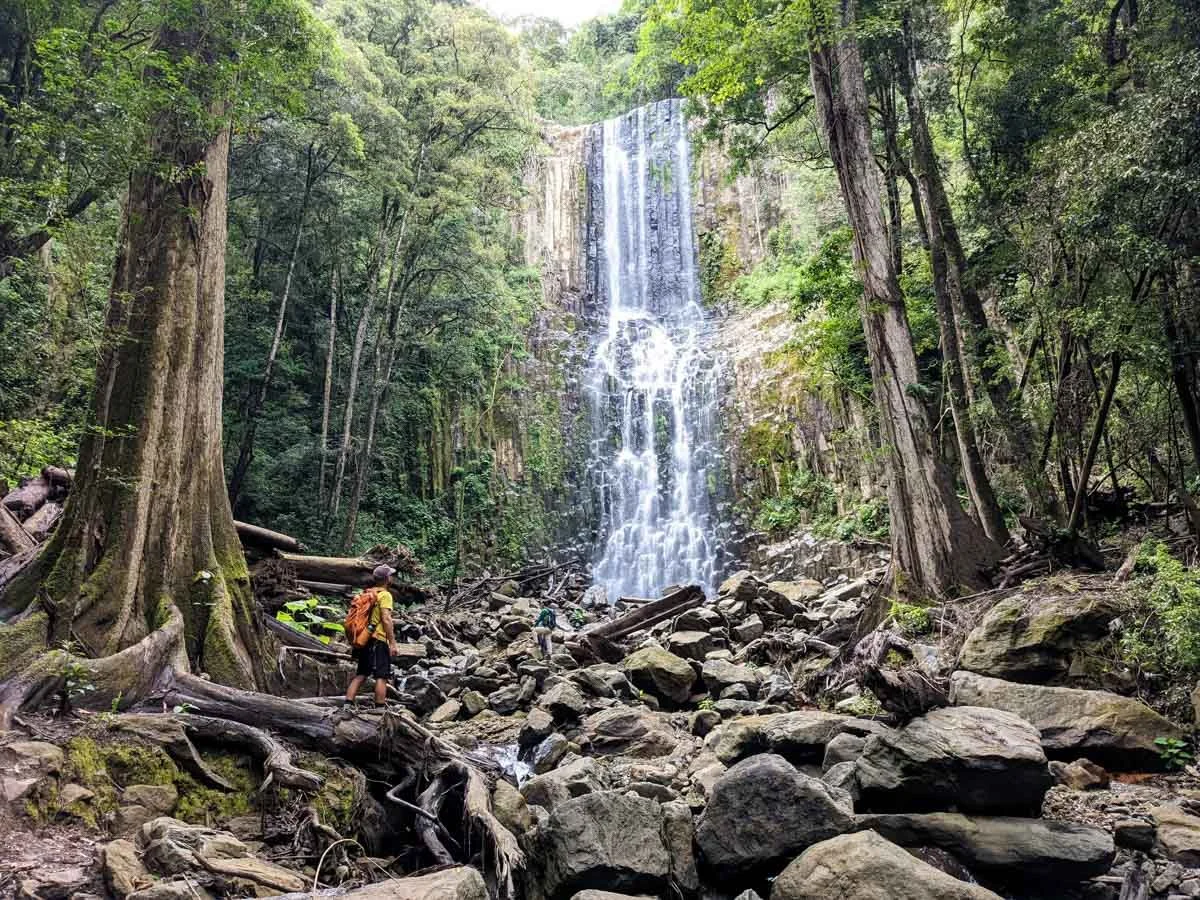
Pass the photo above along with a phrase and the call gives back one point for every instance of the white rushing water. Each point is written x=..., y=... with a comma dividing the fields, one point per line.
x=651, y=381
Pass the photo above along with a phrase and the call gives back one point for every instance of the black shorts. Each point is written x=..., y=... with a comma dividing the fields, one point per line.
x=374, y=660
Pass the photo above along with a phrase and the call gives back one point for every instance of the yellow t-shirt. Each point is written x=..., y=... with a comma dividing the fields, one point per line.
x=383, y=601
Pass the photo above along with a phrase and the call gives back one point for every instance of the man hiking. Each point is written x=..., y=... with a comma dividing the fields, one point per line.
x=374, y=656
x=543, y=627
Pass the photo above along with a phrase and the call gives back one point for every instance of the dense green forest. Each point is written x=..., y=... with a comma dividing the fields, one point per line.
x=737, y=440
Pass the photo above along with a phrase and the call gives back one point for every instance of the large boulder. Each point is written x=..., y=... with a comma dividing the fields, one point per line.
x=720, y=674
x=1035, y=637
x=661, y=673
x=761, y=813
x=967, y=757
x=799, y=736
x=1177, y=834
x=576, y=778
x=1107, y=728
x=607, y=841
x=864, y=866
x=1029, y=851
x=458, y=883
x=624, y=731
x=691, y=644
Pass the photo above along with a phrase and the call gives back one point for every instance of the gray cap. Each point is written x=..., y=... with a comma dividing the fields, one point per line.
x=383, y=573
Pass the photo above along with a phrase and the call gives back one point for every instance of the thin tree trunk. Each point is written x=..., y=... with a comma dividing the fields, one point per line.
x=936, y=545
x=147, y=537
x=258, y=398
x=1184, y=369
x=1081, y=489
x=328, y=392
x=360, y=339
x=983, y=498
x=978, y=340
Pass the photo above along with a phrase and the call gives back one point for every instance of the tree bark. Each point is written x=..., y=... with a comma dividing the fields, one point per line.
x=937, y=546
x=977, y=340
x=259, y=397
x=328, y=392
x=360, y=340
x=983, y=498
x=1081, y=489
x=13, y=536
x=147, y=534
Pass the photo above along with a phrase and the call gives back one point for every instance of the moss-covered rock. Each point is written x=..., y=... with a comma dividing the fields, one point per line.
x=1038, y=638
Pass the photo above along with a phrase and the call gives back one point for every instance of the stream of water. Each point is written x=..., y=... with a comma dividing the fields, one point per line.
x=651, y=382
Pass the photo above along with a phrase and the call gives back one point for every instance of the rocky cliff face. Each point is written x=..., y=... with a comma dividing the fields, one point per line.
x=777, y=416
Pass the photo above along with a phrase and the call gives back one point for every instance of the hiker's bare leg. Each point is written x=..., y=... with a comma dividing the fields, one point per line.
x=380, y=691
x=355, y=684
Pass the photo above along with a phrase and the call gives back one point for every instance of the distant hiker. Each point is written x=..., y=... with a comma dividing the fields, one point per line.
x=372, y=635
x=543, y=627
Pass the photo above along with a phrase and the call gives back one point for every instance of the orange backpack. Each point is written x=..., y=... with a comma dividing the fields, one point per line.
x=358, y=619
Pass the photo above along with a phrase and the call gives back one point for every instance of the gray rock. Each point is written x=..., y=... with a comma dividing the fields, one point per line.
x=458, y=883
x=702, y=618
x=161, y=798
x=506, y=700
x=474, y=703
x=1177, y=835
x=420, y=694
x=549, y=753
x=864, y=866
x=447, y=712
x=749, y=629
x=123, y=869
x=702, y=721
x=843, y=777
x=690, y=644
x=624, y=731
x=740, y=587
x=1107, y=728
x=574, y=779
x=1034, y=637
x=842, y=748
x=679, y=833
x=511, y=809
x=1081, y=775
x=539, y=725
x=660, y=673
x=609, y=895
x=979, y=760
x=719, y=674
x=1030, y=851
x=603, y=680
x=604, y=840
x=735, y=692
x=762, y=812
x=1135, y=834
x=564, y=702
x=798, y=736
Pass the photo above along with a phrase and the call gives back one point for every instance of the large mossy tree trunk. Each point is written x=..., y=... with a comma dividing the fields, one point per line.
x=936, y=545
x=148, y=529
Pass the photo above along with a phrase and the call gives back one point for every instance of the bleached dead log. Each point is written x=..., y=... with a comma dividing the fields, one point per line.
x=673, y=604
x=25, y=500
x=13, y=536
x=266, y=539
x=42, y=522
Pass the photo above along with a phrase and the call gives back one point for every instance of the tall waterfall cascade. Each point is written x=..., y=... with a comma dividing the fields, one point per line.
x=651, y=381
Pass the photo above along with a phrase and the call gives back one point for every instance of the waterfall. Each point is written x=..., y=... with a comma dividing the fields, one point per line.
x=651, y=382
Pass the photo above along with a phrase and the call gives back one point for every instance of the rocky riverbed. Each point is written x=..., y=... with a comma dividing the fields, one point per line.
x=731, y=751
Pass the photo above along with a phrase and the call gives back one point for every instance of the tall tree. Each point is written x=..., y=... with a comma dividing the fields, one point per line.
x=146, y=555
x=936, y=545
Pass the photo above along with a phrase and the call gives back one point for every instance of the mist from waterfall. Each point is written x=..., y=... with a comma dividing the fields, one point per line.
x=651, y=383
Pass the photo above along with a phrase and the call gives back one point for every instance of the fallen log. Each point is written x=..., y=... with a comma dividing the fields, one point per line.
x=266, y=539
x=327, y=588
x=673, y=604
x=26, y=499
x=42, y=522
x=13, y=536
x=345, y=570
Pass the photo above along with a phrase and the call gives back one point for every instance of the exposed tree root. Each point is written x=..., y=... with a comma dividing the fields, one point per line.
x=275, y=760
x=124, y=678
